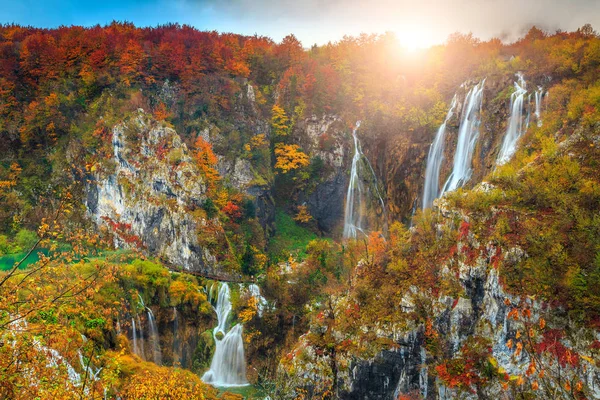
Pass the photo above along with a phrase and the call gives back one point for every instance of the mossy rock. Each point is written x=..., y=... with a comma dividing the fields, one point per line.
x=204, y=352
x=219, y=335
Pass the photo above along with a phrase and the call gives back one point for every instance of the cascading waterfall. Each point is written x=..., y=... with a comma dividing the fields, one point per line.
x=539, y=94
x=355, y=209
x=156, y=353
x=228, y=366
x=516, y=126
x=468, y=134
x=431, y=188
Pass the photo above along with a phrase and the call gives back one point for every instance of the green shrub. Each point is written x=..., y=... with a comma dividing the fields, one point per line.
x=26, y=239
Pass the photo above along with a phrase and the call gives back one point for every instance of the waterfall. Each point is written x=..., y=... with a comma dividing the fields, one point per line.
x=515, y=128
x=423, y=374
x=468, y=133
x=175, y=329
x=156, y=353
x=431, y=188
x=355, y=209
x=141, y=338
x=254, y=290
x=228, y=366
x=136, y=347
x=539, y=94
x=528, y=118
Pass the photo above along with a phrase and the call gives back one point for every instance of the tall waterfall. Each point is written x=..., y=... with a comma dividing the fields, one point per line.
x=516, y=127
x=156, y=353
x=468, y=134
x=356, y=204
x=228, y=366
x=431, y=188
x=539, y=94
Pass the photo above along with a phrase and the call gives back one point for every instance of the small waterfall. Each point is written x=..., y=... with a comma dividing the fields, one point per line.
x=254, y=290
x=468, y=133
x=528, y=118
x=539, y=94
x=228, y=366
x=431, y=188
x=141, y=338
x=175, y=330
x=55, y=359
x=516, y=127
x=136, y=347
x=356, y=206
x=423, y=374
x=86, y=365
x=156, y=353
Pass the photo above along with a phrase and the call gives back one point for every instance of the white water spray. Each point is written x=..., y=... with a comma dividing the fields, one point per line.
x=468, y=134
x=356, y=205
x=516, y=126
x=228, y=366
x=431, y=188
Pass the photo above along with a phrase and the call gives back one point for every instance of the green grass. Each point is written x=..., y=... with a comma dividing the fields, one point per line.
x=289, y=238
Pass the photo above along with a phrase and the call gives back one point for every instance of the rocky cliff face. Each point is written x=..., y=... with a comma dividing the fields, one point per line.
x=485, y=311
x=327, y=140
x=146, y=202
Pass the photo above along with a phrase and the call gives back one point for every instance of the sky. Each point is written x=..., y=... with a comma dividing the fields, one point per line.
x=417, y=23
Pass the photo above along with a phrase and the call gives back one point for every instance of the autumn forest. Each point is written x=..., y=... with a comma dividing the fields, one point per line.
x=188, y=214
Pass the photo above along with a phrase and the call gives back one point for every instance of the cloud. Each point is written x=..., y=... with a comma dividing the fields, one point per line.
x=507, y=19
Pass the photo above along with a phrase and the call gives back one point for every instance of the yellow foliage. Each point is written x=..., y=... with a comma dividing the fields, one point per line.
x=259, y=141
x=249, y=312
x=153, y=382
x=279, y=121
x=290, y=157
x=303, y=215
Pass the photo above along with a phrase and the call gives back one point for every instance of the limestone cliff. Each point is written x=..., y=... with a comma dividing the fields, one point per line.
x=147, y=200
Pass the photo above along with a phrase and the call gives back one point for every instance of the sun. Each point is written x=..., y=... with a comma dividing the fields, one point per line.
x=413, y=37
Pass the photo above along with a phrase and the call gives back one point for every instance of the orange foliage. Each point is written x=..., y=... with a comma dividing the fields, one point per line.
x=161, y=113
x=206, y=161
x=232, y=210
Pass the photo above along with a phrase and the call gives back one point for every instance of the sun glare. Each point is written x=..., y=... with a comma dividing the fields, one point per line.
x=413, y=37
